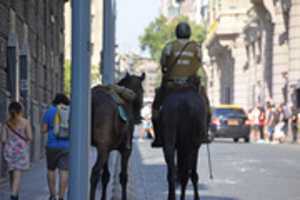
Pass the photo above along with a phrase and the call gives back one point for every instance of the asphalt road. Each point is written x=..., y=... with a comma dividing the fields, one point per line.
x=241, y=172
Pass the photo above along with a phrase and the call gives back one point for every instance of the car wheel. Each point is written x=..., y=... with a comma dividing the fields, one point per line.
x=247, y=139
x=236, y=140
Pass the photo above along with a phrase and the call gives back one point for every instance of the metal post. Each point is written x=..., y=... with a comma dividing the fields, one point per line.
x=108, y=55
x=80, y=101
x=25, y=74
x=12, y=64
x=12, y=59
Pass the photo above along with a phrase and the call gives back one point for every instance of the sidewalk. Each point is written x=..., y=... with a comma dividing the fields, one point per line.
x=33, y=186
x=34, y=182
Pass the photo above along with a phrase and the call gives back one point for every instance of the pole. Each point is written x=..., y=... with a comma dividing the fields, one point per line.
x=209, y=162
x=108, y=56
x=80, y=101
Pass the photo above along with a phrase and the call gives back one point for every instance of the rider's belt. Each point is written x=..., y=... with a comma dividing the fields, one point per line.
x=179, y=81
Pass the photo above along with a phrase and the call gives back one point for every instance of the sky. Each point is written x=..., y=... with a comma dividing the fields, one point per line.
x=133, y=16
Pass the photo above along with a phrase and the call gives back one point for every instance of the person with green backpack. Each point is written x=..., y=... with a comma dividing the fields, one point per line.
x=56, y=125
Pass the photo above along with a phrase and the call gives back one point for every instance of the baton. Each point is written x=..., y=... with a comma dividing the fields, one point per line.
x=209, y=163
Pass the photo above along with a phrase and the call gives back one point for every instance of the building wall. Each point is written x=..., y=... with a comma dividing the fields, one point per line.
x=241, y=75
x=190, y=8
x=152, y=70
x=227, y=52
x=281, y=54
x=267, y=47
x=294, y=48
x=34, y=29
x=135, y=64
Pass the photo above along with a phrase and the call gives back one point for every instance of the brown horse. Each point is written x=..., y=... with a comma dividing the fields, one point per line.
x=110, y=132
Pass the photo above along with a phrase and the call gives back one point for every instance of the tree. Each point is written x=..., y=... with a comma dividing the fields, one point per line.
x=160, y=31
x=95, y=76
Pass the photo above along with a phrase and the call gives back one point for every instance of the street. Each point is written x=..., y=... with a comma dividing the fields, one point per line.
x=241, y=172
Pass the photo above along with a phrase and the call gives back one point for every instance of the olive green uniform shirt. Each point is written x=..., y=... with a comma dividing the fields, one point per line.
x=187, y=65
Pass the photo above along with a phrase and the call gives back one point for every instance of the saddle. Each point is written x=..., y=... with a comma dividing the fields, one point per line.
x=120, y=95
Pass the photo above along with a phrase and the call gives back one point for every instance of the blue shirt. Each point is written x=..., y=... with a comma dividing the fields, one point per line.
x=53, y=141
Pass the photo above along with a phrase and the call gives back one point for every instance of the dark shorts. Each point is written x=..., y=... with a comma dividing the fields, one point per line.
x=57, y=159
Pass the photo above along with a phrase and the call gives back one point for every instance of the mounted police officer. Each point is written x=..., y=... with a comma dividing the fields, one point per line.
x=180, y=61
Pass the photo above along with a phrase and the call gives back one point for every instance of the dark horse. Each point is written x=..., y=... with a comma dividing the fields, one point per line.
x=110, y=132
x=183, y=122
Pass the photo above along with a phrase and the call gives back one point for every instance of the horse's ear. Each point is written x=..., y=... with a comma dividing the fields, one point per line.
x=143, y=76
x=127, y=75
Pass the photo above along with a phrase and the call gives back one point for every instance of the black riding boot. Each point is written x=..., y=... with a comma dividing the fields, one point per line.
x=155, y=118
x=52, y=198
x=206, y=138
x=157, y=142
x=13, y=197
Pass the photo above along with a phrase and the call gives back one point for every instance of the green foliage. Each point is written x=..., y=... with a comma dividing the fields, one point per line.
x=161, y=31
x=67, y=77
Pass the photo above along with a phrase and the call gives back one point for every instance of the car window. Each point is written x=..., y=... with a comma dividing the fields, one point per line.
x=227, y=112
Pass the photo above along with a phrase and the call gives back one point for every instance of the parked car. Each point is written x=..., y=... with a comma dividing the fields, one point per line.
x=229, y=121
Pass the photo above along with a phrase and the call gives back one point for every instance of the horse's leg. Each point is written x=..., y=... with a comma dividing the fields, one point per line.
x=125, y=154
x=183, y=172
x=169, y=153
x=194, y=174
x=97, y=172
x=105, y=179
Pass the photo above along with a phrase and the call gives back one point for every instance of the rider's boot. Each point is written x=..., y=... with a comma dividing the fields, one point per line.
x=157, y=142
x=158, y=99
x=206, y=138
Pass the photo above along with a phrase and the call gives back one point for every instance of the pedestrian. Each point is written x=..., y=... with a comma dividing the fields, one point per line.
x=279, y=125
x=286, y=115
x=16, y=136
x=147, y=130
x=294, y=124
x=255, y=114
x=57, y=149
x=270, y=121
x=262, y=121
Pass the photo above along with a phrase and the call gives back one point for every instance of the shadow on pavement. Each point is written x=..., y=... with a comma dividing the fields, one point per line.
x=217, y=198
x=148, y=173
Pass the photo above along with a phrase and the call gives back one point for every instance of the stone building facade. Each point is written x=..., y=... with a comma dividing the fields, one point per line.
x=96, y=37
x=195, y=10
x=153, y=75
x=224, y=49
x=262, y=44
x=31, y=60
x=136, y=64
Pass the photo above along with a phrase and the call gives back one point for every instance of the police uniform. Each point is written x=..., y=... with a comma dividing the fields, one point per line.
x=188, y=62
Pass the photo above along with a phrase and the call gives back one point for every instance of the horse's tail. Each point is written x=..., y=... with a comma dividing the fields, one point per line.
x=185, y=139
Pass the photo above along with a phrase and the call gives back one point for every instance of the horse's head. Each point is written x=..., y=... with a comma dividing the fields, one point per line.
x=135, y=84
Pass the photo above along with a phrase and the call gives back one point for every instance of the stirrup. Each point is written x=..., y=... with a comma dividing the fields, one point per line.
x=156, y=144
